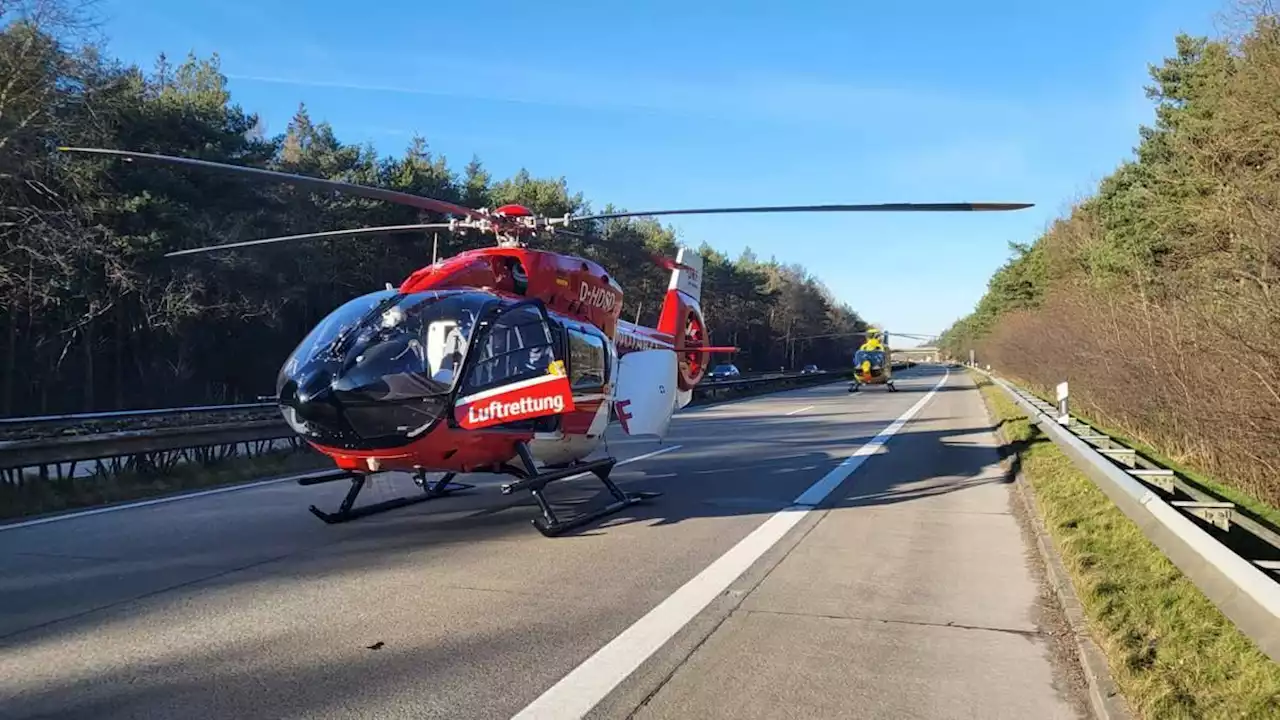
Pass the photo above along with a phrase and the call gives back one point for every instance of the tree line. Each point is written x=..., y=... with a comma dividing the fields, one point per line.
x=1158, y=297
x=92, y=317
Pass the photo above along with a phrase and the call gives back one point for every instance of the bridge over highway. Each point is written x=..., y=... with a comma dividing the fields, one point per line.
x=815, y=554
x=917, y=354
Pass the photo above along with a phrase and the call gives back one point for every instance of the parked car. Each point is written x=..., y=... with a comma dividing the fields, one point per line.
x=809, y=369
x=725, y=371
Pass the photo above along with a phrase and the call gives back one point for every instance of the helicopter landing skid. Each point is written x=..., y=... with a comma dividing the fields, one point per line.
x=430, y=491
x=550, y=525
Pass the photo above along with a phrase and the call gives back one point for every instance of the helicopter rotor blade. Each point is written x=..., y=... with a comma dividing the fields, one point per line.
x=309, y=236
x=881, y=207
x=372, y=193
x=567, y=233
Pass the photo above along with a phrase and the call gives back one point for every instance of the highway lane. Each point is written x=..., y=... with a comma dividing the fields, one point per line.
x=242, y=604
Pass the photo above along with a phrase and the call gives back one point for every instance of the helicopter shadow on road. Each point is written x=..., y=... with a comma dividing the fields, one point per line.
x=708, y=460
x=710, y=450
x=709, y=476
x=914, y=466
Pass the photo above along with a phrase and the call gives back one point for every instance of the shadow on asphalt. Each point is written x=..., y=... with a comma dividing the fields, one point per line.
x=884, y=478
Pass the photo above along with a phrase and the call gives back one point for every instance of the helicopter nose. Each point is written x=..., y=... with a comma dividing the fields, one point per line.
x=311, y=397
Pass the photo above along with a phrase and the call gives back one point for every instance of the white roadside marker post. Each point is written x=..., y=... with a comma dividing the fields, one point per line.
x=1064, y=415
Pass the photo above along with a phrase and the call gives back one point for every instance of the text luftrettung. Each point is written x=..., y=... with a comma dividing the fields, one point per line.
x=547, y=395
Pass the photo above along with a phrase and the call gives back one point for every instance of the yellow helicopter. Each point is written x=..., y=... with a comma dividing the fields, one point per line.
x=873, y=361
x=872, y=364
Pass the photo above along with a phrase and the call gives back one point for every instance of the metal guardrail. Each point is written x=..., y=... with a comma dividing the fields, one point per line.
x=1231, y=557
x=17, y=455
x=127, y=414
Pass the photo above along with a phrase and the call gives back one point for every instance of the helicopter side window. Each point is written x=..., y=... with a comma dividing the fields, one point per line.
x=517, y=347
x=586, y=361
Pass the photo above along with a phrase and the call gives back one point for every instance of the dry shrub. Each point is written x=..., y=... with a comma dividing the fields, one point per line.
x=1170, y=375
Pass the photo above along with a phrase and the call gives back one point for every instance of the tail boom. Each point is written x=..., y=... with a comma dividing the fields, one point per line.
x=681, y=326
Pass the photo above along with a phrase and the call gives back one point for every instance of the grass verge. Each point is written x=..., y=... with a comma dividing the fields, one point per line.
x=38, y=497
x=1172, y=653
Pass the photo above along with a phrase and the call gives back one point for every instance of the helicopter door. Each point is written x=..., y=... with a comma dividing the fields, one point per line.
x=646, y=393
x=512, y=377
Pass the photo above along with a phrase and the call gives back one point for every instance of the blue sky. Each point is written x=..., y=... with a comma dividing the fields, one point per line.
x=666, y=104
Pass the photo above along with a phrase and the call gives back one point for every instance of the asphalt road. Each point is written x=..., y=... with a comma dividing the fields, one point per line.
x=803, y=562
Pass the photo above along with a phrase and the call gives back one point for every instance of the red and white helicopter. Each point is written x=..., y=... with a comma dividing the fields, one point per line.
x=504, y=360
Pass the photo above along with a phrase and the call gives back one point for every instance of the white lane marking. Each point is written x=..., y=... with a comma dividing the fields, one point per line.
x=584, y=687
x=637, y=458
x=145, y=503
x=234, y=488
x=797, y=412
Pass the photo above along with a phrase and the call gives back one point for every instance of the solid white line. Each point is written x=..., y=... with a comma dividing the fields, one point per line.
x=637, y=458
x=233, y=488
x=583, y=688
x=797, y=412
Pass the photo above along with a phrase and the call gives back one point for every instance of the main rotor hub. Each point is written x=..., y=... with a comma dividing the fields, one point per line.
x=512, y=210
x=511, y=224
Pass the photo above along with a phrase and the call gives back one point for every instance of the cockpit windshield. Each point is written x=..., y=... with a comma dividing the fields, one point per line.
x=381, y=366
x=875, y=357
x=414, y=345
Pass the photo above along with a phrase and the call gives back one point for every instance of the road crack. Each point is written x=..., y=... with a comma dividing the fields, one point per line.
x=891, y=621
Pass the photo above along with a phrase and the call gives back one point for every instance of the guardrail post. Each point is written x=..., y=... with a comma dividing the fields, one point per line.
x=1064, y=415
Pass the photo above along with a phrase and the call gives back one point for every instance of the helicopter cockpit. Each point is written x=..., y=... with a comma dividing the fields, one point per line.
x=875, y=357
x=384, y=367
